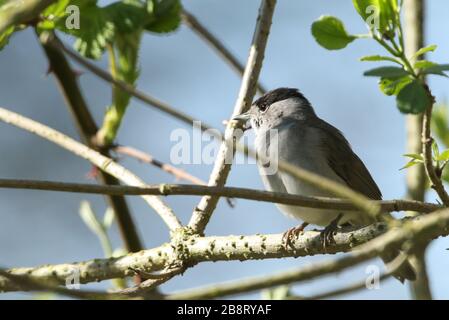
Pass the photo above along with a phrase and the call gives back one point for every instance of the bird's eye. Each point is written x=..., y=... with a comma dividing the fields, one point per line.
x=263, y=107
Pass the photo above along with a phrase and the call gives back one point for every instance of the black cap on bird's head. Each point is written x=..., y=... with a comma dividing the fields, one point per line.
x=275, y=104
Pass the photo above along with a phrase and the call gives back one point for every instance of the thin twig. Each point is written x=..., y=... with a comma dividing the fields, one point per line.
x=240, y=193
x=222, y=167
x=427, y=140
x=151, y=283
x=104, y=163
x=340, y=291
x=147, y=158
x=192, y=22
x=392, y=267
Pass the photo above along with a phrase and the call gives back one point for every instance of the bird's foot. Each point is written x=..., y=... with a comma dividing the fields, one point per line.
x=293, y=233
x=327, y=235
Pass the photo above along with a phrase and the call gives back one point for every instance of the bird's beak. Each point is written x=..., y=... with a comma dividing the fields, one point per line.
x=243, y=118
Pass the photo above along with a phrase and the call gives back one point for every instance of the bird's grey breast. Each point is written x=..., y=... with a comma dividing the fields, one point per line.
x=299, y=144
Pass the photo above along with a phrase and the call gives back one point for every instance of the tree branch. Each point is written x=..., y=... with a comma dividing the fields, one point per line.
x=87, y=129
x=26, y=283
x=231, y=192
x=146, y=158
x=15, y=12
x=104, y=163
x=192, y=22
x=222, y=166
x=416, y=178
x=418, y=230
x=427, y=139
x=191, y=249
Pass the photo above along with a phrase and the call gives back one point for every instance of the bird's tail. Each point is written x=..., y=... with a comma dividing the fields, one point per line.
x=404, y=272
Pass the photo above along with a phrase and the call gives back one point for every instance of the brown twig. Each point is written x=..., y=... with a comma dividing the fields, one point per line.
x=192, y=22
x=239, y=193
x=147, y=158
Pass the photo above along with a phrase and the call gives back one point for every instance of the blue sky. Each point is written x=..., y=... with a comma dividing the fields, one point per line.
x=43, y=227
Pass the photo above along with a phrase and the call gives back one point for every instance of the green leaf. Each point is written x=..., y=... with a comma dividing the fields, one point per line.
x=410, y=164
x=127, y=17
x=166, y=15
x=424, y=50
x=330, y=33
x=414, y=156
x=378, y=14
x=413, y=98
x=95, y=30
x=437, y=69
x=4, y=36
x=386, y=72
x=444, y=156
x=424, y=64
x=380, y=58
x=393, y=86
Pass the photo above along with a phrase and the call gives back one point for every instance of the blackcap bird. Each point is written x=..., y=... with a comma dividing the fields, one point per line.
x=287, y=127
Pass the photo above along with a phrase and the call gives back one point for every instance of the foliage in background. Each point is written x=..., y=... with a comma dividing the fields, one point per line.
x=117, y=28
x=403, y=79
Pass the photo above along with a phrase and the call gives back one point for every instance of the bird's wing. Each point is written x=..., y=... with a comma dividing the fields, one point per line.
x=345, y=163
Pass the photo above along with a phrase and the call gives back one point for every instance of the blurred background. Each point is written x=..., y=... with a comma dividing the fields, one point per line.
x=44, y=227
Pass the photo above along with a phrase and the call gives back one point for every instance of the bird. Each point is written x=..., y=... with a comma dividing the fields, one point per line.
x=287, y=127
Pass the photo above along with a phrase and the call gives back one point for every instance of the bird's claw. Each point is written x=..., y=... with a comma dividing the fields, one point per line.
x=327, y=235
x=292, y=234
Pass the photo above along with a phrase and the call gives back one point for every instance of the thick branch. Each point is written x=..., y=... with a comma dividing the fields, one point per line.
x=15, y=12
x=192, y=22
x=418, y=230
x=414, y=40
x=193, y=249
x=190, y=249
x=416, y=178
x=231, y=192
x=222, y=166
x=104, y=163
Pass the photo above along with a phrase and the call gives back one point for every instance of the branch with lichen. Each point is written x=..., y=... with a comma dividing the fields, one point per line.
x=187, y=248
